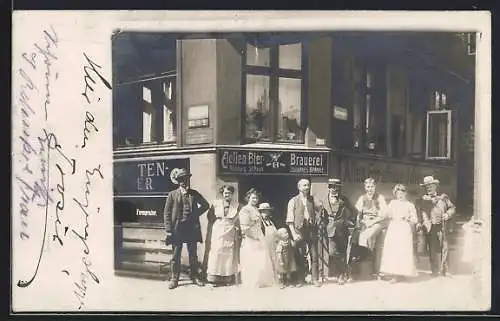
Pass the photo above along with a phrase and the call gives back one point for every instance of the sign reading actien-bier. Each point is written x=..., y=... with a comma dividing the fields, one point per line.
x=238, y=161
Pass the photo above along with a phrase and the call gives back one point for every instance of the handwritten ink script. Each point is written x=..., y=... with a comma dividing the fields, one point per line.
x=51, y=180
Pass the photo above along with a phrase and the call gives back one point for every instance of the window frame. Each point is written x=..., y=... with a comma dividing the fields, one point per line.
x=376, y=91
x=274, y=72
x=159, y=135
x=448, y=135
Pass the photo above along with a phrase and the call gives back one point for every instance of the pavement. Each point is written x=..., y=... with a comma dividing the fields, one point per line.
x=458, y=293
x=464, y=291
x=461, y=292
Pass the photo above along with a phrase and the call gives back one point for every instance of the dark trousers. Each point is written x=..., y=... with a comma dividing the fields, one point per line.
x=437, y=243
x=193, y=259
x=337, y=246
x=307, y=247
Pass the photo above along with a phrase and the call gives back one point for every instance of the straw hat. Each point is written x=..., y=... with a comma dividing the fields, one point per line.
x=178, y=173
x=334, y=181
x=264, y=207
x=429, y=180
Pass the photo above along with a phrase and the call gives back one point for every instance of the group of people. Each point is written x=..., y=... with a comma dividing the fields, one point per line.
x=320, y=238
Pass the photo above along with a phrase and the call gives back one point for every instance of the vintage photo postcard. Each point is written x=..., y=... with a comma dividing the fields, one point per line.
x=250, y=161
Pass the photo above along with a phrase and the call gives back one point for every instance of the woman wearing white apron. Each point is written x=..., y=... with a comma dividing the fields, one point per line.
x=224, y=245
x=255, y=261
x=397, y=254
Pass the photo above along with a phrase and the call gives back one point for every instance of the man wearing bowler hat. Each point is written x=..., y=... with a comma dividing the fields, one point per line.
x=183, y=208
x=436, y=210
x=340, y=214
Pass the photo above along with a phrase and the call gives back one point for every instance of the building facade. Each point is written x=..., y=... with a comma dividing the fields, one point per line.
x=266, y=109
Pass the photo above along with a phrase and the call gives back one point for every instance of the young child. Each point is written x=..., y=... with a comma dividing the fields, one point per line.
x=285, y=258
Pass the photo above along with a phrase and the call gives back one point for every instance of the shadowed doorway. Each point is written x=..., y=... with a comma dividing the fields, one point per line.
x=276, y=190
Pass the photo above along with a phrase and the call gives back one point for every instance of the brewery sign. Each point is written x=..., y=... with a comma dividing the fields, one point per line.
x=269, y=162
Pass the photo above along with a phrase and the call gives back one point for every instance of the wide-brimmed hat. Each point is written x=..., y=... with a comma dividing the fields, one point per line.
x=429, y=180
x=178, y=173
x=265, y=206
x=334, y=181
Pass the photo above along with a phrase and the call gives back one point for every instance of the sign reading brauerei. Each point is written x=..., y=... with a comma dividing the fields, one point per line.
x=264, y=162
x=146, y=177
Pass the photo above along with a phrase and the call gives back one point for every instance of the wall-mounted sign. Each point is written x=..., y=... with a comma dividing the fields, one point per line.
x=320, y=142
x=139, y=209
x=145, y=177
x=198, y=116
x=340, y=113
x=199, y=136
x=265, y=162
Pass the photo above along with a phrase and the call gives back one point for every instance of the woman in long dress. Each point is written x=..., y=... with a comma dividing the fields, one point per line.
x=256, y=264
x=398, y=258
x=223, y=257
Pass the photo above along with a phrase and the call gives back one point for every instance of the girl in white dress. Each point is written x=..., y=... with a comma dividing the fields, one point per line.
x=397, y=254
x=255, y=260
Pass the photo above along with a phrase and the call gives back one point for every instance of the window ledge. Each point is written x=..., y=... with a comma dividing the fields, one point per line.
x=146, y=146
x=282, y=146
x=422, y=161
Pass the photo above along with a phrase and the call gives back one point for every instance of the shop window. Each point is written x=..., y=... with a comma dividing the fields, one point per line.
x=369, y=110
x=438, y=135
x=274, y=93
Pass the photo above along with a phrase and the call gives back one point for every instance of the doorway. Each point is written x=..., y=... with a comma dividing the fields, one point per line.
x=275, y=190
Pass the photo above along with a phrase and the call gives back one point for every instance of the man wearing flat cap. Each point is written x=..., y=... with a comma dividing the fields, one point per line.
x=435, y=211
x=183, y=208
x=340, y=214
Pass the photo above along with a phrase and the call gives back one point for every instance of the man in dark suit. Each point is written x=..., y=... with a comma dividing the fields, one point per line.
x=183, y=208
x=340, y=214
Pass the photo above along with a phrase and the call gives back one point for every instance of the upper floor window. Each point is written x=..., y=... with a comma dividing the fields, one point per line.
x=146, y=112
x=369, y=114
x=438, y=100
x=438, y=135
x=144, y=92
x=158, y=116
x=273, y=79
x=431, y=123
